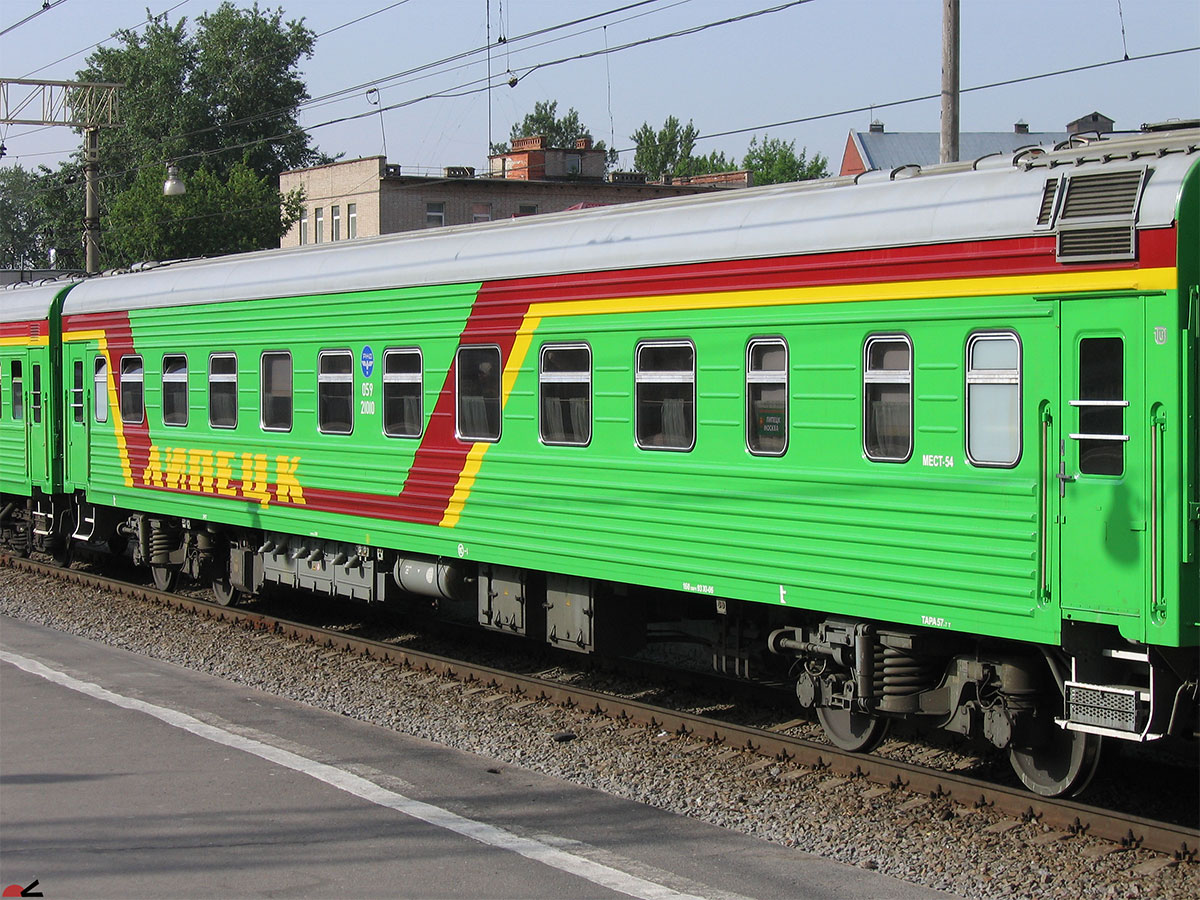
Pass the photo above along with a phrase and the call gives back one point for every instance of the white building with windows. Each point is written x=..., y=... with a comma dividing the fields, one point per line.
x=370, y=196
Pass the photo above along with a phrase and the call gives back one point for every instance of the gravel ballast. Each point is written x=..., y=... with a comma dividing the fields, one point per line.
x=936, y=843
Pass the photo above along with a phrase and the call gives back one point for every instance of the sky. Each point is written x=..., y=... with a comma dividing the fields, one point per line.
x=836, y=64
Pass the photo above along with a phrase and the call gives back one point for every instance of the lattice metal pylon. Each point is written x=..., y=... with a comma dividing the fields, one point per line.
x=79, y=104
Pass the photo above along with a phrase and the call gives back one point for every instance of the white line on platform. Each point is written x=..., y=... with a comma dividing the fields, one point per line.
x=574, y=864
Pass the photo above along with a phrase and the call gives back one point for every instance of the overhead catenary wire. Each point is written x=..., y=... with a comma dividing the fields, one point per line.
x=46, y=7
x=702, y=136
x=384, y=81
x=760, y=127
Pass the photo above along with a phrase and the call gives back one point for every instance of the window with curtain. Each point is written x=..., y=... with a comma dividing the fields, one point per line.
x=887, y=398
x=665, y=401
x=565, y=388
x=477, y=393
x=222, y=390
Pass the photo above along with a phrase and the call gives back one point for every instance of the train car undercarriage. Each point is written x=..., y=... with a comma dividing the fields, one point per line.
x=1049, y=707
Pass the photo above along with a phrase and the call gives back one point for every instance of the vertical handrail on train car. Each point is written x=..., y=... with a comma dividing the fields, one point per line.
x=1157, y=427
x=1044, y=489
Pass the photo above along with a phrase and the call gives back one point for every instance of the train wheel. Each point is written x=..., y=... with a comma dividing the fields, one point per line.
x=854, y=731
x=61, y=551
x=165, y=578
x=224, y=591
x=1061, y=765
x=61, y=554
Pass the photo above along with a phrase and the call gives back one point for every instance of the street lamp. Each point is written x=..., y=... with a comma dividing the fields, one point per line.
x=174, y=185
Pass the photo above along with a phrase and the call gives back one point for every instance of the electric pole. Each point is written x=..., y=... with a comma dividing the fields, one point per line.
x=949, y=140
x=76, y=104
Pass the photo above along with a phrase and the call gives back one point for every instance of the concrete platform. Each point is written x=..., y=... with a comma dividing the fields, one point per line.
x=123, y=776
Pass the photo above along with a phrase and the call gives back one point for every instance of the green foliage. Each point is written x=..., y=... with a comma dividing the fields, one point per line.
x=21, y=244
x=220, y=101
x=667, y=150
x=226, y=212
x=558, y=132
x=41, y=210
x=670, y=151
x=774, y=162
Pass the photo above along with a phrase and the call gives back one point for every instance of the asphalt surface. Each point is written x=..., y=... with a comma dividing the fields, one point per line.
x=125, y=776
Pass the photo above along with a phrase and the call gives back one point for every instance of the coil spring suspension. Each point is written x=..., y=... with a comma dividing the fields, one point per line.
x=160, y=547
x=903, y=674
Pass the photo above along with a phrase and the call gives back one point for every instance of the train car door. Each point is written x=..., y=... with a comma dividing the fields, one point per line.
x=1102, y=479
x=39, y=419
x=14, y=432
x=78, y=388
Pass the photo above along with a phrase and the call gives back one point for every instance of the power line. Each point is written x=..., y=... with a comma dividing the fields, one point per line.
x=384, y=81
x=46, y=7
x=467, y=89
x=21, y=134
x=979, y=87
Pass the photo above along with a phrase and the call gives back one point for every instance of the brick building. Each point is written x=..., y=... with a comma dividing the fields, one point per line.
x=368, y=197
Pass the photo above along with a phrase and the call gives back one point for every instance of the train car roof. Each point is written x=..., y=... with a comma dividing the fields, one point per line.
x=32, y=302
x=995, y=197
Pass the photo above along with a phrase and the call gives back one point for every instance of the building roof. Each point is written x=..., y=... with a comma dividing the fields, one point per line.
x=887, y=150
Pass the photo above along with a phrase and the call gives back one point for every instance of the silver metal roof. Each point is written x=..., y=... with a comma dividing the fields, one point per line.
x=888, y=149
x=26, y=303
x=945, y=203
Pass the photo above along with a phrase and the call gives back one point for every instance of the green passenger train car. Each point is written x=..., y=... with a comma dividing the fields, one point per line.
x=30, y=421
x=930, y=436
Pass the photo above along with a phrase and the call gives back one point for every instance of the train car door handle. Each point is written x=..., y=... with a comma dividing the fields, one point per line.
x=1063, y=478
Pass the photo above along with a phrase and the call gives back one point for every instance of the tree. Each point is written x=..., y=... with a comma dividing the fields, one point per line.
x=41, y=210
x=220, y=213
x=774, y=162
x=21, y=232
x=558, y=132
x=220, y=101
x=668, y=151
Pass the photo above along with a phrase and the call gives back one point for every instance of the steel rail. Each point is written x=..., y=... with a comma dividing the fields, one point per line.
x=1073, y=817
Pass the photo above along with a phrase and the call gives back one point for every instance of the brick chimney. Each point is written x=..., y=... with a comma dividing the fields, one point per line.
x=583, y=143
x=537, y=142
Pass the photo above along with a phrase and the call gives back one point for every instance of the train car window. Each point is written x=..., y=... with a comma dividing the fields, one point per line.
x=18, y=398
x=35, y=396
x=335, y=392
x=100, y=388
x=403, y=393
x=767, y=397
x=887, y=398
x=77, y=410
x=174, y=390
x=1101, y=406
x=477, y=394
x=665, y=401
x=222, y=390
x=133, y=391
x=565, y=387
x=275, y=398
x=994, y=400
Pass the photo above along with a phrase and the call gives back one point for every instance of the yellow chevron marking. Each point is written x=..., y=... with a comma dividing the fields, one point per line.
x=114, y=401
x=466, y=478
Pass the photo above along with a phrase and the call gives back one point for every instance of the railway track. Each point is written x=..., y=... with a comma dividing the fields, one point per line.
x=1067, y=816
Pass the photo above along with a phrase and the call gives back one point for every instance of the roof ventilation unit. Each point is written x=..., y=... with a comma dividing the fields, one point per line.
x=1097, y=215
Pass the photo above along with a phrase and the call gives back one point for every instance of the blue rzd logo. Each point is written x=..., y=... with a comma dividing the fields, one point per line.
x=368, y=362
